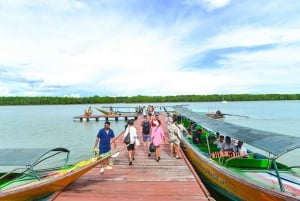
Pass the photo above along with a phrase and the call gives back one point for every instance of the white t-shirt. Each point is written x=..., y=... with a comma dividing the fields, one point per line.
x=219, y=144
x=242, y=149
x=227, y=146
x=133, y=134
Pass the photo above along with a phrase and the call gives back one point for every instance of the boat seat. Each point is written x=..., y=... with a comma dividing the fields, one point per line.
x=223, y=154
x=248, y=163
x=236, y=159
x=204, y=148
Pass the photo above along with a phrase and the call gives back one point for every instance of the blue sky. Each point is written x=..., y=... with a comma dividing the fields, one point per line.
x=149, y=47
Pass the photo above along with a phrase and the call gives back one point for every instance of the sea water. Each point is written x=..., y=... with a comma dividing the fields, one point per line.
x=50, y=126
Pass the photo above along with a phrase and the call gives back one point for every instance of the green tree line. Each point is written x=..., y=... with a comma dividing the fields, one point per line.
x=44, y=100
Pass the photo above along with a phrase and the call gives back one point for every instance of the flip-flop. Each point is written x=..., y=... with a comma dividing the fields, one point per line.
x=115, y=155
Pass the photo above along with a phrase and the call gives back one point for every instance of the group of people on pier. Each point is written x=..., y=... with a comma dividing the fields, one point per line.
x=152, y=134
x=88, y=112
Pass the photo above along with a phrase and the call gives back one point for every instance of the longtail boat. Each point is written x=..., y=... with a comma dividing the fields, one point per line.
x=28, y=181
x=216, y=115
x=250, y=176
x=103, y=111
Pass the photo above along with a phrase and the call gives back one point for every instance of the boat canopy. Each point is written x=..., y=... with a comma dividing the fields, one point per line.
x=25, y=156
x=274, y=143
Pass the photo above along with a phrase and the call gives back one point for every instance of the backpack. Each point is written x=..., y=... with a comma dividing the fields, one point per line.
x=146, y=127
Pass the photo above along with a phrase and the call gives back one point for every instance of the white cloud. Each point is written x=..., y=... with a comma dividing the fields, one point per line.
x=208, y=5
x=73, y=47
x=254, y=36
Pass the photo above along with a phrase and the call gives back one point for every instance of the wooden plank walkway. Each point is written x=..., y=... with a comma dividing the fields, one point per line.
x=166, y=180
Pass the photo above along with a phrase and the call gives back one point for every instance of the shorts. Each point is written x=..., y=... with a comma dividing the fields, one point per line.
x=147, y=138
x=130, y=147
x=104, y=149
x=175, y=141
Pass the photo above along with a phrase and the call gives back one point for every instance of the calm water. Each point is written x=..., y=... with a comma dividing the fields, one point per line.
x=53, y=126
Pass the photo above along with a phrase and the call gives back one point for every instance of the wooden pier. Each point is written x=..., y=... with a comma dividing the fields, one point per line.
x=166, y=180
x=109, y=117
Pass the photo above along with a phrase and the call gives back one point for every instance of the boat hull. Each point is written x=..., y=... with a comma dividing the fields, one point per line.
x=47, y=186
x=214, y=115
x=226, y=182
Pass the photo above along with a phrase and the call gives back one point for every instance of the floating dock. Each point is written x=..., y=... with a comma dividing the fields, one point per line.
x=167, y=180
x=109, y=117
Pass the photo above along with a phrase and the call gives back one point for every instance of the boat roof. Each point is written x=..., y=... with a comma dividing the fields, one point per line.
x=274, y=143
x=24, y=156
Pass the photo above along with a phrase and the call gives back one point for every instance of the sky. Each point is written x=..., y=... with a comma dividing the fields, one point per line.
x=83, y=48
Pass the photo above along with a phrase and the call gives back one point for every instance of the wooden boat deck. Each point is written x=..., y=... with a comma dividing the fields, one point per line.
x=169, y=179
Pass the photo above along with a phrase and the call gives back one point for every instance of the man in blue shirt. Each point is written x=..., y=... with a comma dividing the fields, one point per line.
x=104, y=139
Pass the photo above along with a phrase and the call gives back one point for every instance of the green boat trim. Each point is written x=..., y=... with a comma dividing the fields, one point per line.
x=262, y=169
x=271, y=142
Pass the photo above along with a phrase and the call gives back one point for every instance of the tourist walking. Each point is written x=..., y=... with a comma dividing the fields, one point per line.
x=146, y=134
x=155, y=121
x=104, y=139
x=157, y=138
x=144, y=111
x=131, y=130
x=174, y=139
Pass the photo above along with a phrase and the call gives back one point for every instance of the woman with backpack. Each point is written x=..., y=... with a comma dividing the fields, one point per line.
x=146, y=134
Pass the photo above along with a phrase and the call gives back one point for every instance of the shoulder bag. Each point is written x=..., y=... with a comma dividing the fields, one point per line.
x=127, y=138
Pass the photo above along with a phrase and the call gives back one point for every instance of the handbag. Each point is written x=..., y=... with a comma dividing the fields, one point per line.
x=152, y=147
x=127, y=139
